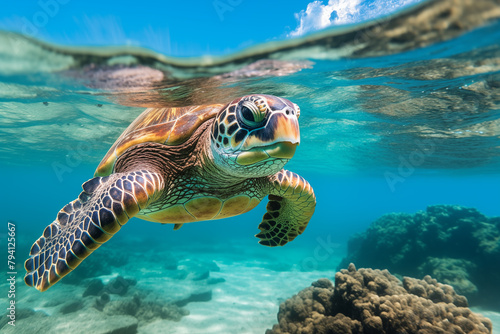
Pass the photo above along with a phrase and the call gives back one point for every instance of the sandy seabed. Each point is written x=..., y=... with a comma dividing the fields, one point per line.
x=246, y=286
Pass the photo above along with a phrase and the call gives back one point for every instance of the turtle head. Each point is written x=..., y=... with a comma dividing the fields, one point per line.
x=255, y=135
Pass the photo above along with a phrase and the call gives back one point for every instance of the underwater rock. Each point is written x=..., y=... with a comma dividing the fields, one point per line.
x=457, y=245
x=94, y=288
x=201, y=275
x=119, y=285
x=202, y=296
x=150, y=311
x=127, y=306
x=189, y=269
x=194, y=270
x=144, y=310
x=177, y=274
x=215, y=280
x=71, y=306
x=98, y=264
x=374, y=301
x=84, y=321
x=101, y=301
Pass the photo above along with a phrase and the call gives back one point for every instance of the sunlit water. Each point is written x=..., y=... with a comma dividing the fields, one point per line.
x=381, y=132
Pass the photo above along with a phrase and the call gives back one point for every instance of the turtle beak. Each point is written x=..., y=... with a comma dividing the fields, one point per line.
x=282, y=150
x=280, y=128
x=287, y=129
x=279, y=140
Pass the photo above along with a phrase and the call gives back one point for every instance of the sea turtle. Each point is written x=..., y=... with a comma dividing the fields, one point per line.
x=181, y=165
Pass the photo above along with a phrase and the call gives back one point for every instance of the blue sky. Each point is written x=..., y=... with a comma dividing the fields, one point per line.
x=183, y=28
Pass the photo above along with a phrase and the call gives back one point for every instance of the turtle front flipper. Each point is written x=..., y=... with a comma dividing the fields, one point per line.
x=105, y=204
x=291, y=206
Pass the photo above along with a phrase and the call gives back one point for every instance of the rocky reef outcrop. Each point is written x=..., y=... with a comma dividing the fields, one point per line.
x=456, y=245
x=374, y=301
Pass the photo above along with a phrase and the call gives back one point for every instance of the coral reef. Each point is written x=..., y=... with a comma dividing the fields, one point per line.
x=451, y=271
x=456, y=245
x=374, y=301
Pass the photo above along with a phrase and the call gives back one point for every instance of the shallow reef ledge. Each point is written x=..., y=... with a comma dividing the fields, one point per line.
x=374, y=301
x=456, y=245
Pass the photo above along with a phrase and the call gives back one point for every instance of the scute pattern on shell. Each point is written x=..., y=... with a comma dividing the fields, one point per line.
x=169, y=126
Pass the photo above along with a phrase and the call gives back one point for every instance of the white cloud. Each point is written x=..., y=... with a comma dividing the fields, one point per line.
x=318, y=16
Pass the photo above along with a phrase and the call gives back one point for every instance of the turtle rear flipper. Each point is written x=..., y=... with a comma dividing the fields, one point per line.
x=103, y=207
x=291, y=206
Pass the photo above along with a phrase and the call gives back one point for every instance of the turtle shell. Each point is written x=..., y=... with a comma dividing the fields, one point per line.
x=169, y=126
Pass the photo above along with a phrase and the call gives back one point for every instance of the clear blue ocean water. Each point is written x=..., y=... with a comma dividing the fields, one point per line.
x=382, y=132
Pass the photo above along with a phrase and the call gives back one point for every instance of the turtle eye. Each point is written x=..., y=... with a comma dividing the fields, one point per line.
x=251, y=114
x=247, y=115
